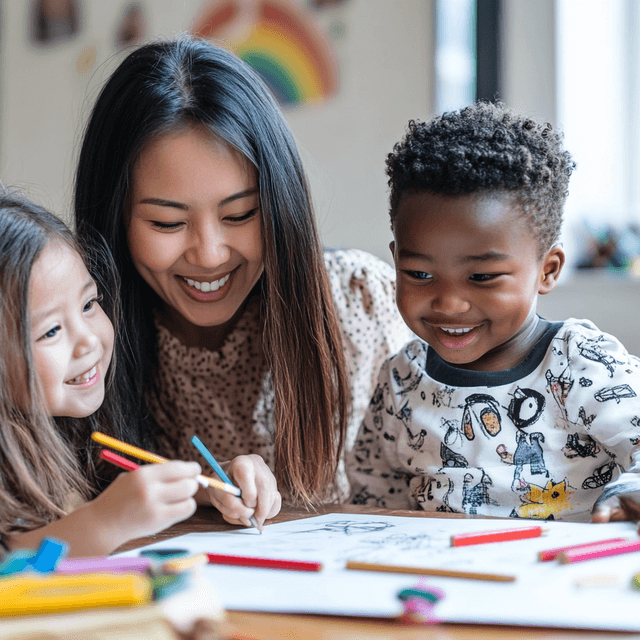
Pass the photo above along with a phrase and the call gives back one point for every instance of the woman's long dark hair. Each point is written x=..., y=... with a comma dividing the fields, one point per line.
x=167, y=86
x=44, y=461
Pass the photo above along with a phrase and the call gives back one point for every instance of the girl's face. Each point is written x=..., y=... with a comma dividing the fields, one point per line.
x=468, y=277
x=71, y=336
x=194, y=227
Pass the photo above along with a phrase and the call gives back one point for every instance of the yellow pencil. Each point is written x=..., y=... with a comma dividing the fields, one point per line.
x=424, y=571
x=147, y=456
x=184, y=564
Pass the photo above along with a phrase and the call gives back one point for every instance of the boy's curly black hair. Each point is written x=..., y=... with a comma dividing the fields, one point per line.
x=486, y=148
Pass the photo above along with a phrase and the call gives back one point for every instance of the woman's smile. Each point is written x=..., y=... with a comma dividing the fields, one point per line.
x=207, y=290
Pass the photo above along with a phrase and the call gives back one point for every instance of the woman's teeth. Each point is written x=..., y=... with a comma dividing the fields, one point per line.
x=85, y=377
x=456, y=332
x=205, y=287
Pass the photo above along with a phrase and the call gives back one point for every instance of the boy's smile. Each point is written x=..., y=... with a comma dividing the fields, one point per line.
x=469, y=271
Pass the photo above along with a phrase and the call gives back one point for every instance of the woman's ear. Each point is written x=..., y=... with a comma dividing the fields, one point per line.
x=551, y=267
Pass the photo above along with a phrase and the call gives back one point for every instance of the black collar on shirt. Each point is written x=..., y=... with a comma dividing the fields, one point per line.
x=445, y=373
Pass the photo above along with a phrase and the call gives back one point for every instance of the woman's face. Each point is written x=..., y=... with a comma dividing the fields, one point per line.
x=194, y=226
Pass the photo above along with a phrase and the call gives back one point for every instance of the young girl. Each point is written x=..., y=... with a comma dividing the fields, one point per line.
x=57, y=343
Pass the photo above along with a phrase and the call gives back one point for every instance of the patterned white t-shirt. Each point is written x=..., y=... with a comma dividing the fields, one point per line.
x=545, y=439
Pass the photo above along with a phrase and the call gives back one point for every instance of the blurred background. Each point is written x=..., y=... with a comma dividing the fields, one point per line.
x=349, y=74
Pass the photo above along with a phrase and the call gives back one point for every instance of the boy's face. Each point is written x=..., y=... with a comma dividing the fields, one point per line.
x=469, y=272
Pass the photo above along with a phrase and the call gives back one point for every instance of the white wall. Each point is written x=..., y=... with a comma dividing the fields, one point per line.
x=385, y=80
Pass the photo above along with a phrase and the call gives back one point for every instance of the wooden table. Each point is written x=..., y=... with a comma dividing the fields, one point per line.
x=269, y=626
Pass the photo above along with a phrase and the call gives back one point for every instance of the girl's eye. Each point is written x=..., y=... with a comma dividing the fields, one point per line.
x=165, y=225
x=90, y=303
x=483, y=277
x=52, y=332
x=419, y=275
x=246, y=216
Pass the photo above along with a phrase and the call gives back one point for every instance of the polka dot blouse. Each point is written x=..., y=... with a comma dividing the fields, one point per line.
x=225, y=397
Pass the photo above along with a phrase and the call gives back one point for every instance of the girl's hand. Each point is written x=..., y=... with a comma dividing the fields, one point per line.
x=260, y=495
x=145, y=501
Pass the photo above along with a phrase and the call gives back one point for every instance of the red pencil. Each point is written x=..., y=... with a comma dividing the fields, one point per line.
x=264, y=563
x=599, y=551
x=552, y=554
x=499, y=535
x=119, y=461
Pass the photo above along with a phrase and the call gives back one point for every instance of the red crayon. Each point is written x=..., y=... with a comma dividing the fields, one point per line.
x=599, y=551
x=552, y=554
x=499, y=535
x=264, y=563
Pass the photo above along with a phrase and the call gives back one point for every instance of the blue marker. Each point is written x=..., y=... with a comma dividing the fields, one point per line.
x=206, y=454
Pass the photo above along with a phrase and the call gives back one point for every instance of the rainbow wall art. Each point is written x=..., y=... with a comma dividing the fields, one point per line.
x=280, y=41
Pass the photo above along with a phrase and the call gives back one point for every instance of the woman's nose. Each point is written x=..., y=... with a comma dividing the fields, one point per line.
x=209, y=248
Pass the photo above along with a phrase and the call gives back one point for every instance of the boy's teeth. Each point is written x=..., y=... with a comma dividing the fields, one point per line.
x=206, y=287
x=456, y=331
x=85, y=377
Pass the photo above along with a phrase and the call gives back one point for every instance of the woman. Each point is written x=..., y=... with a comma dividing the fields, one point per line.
x=239, y=329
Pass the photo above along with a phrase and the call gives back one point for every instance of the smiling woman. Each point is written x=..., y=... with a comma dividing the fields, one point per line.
x=240, y=329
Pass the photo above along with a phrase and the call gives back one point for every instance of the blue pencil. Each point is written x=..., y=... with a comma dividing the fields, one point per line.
x=206, y=454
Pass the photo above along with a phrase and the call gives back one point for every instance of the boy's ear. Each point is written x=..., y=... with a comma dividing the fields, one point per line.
x=392, y=247
x=551, y=267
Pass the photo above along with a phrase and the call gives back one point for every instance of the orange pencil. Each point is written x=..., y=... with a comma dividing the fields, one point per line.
x=499, y=535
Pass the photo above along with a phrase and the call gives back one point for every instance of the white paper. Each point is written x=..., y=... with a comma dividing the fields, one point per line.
x=544, y=593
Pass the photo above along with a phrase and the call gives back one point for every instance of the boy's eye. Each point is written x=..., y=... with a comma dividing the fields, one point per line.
x=419, y=275
x=483, y=277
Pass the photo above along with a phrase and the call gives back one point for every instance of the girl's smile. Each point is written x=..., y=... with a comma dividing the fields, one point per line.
x=72, y=338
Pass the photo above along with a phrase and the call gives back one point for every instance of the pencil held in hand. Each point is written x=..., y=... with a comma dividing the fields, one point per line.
x=147, y=456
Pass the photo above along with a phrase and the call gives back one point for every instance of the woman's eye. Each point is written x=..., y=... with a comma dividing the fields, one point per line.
x=165, y=225
x=242, y=218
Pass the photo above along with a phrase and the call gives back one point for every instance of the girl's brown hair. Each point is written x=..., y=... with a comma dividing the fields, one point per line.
x=164, y=87
x=45, y=462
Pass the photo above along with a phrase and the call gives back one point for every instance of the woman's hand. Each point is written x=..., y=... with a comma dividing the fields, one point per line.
x=260, y=496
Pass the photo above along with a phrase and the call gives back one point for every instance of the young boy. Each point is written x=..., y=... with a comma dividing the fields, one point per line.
x=493, y=410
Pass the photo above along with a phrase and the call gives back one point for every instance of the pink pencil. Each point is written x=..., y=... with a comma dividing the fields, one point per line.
x=599, y=551
x=552, y=554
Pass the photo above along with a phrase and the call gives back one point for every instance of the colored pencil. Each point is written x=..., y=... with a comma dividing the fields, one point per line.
x=552, y=554
x=424, y=571
x=109, y=563
x=500, y=535
x=178, y=565
x=264, y=563
x=128, y=465
x=147, y=456
x=599, y=551
x=208, y=456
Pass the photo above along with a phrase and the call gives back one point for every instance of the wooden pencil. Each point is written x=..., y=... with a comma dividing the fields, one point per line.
x=147, y=456
x=426, y=571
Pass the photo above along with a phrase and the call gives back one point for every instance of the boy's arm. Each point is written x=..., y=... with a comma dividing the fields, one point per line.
x=620, y=499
